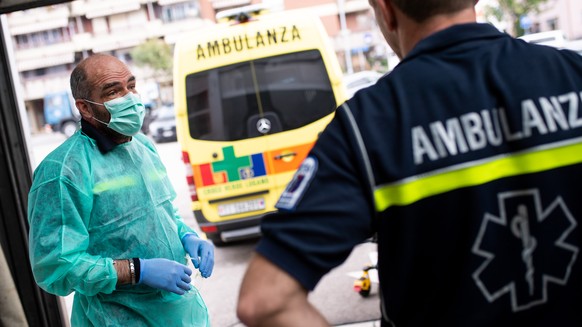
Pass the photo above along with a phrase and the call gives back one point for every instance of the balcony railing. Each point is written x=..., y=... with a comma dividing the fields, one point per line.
x=100, y=8
x=38, y=19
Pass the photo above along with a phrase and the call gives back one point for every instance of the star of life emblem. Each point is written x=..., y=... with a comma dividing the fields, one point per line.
x=525, y=249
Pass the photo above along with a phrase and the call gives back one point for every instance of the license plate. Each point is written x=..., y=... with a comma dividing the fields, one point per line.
x=240, y=207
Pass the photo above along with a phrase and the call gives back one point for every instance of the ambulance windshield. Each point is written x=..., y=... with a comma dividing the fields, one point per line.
x=258, y=97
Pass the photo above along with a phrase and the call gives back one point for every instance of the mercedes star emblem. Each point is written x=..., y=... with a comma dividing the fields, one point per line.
x=263, y=125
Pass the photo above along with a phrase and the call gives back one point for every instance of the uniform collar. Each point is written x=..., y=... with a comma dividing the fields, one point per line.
x=104, y=142
x=454, y=35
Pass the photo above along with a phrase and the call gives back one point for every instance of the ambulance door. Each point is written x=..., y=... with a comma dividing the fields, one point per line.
x=258, y=120
x=298, y=102
x=223, y=108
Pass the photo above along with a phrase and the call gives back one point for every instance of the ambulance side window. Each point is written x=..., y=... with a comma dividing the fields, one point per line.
x=197, y=100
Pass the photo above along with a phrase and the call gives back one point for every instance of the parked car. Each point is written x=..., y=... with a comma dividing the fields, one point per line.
x=360, y=80
x=162, y=128
x=60, y=112
x=145, y=127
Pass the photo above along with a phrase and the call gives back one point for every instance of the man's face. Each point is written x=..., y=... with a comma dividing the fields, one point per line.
x=109, y=79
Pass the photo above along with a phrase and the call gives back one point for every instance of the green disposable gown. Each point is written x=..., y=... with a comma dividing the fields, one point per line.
x=87, y=208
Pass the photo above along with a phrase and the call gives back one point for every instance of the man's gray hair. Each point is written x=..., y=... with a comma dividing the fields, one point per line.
x=79, y=87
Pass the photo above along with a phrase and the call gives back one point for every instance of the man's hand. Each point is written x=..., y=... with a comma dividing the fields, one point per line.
x=166, y=275
x=201, y=252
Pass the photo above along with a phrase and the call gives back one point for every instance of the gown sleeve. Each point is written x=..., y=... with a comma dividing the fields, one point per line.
x=59, y=238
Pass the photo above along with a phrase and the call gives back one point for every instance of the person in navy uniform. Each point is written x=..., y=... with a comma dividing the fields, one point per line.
x=465, y=161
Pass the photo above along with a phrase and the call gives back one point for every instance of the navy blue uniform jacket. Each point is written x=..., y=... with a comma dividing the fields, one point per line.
x=466, y=161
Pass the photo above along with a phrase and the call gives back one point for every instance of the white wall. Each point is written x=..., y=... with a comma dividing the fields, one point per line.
x=568, y=13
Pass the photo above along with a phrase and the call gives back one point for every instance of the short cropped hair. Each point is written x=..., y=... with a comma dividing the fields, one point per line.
x=79, y=86
x=421, y=10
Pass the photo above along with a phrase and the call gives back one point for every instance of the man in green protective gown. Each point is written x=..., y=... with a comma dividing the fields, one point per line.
x=102, y=221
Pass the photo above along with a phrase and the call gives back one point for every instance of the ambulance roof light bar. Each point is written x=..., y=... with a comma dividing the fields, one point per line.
x=241, y=14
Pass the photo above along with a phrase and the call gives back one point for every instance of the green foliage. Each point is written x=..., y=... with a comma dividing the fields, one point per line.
x=155, y=54
x=513, y=10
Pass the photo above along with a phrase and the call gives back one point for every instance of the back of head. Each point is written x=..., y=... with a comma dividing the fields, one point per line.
x=421, y=10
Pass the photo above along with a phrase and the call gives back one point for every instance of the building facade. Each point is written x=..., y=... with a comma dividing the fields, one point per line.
x=552, y=15
x=48, y=42
x=564, y=15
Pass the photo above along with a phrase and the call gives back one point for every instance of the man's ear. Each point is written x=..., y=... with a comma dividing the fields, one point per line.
x=388, y=14
x=84, y=109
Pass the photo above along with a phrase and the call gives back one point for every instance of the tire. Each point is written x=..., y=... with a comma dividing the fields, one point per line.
x=365, y=293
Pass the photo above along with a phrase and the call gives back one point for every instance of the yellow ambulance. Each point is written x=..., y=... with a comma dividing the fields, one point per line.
x=251, y=93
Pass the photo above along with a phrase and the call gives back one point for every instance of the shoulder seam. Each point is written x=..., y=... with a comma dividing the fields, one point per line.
x=361, y=146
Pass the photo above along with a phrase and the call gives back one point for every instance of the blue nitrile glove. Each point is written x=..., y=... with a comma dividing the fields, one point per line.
x=166, y=275
x=201, y=252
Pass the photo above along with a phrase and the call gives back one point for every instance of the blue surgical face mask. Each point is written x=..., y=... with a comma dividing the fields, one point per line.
x=127, y=113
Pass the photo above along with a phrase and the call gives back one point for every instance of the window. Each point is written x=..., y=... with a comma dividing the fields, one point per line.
x=535, y=28
x=179, y=12
x=22, y=41
x=553, y=24
x=42, y=38
x=291, y=91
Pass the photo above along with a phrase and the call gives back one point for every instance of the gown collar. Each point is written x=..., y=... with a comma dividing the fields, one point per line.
x=104, y=142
